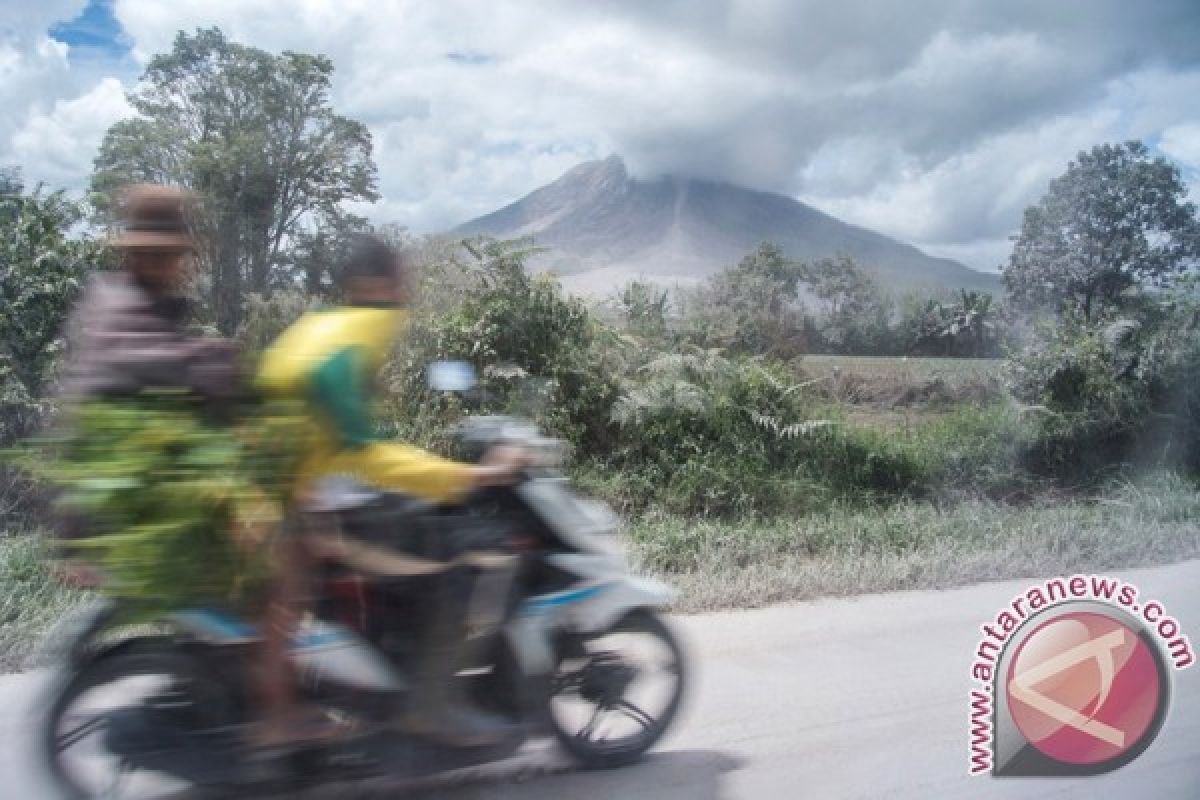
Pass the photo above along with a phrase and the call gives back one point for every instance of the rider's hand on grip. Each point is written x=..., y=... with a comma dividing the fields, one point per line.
x=501, y=466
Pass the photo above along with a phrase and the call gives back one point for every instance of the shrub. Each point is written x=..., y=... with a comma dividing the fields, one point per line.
x=703, y=433
x=527, y=340
x=42, y=272
x=1113, y=390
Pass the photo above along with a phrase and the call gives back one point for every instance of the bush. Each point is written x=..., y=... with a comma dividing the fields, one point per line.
x=1116, y=390
x=654, y=423
x=537, y=351
x=978, y=449
x=42, y=272
x=700, y=433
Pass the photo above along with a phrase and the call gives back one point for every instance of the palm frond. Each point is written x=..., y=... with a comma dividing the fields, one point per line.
x=793, y=430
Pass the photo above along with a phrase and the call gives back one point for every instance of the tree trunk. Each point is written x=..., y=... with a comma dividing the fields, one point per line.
x=227, y=276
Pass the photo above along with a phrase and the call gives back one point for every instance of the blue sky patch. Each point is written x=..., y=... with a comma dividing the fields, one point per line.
x=95, y=35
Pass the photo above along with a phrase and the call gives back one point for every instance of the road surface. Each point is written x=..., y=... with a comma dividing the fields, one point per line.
x=849, y=698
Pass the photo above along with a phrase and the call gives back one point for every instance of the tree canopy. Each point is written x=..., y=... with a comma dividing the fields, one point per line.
x=1116, y=219
x=254, y=135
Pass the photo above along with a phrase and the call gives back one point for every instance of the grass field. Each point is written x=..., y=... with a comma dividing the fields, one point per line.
x=904, y=368
x=889, y=391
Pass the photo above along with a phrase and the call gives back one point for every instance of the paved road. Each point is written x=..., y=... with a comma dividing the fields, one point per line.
x=849, y=698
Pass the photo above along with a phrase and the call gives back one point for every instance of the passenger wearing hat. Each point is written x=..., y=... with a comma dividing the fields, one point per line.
x=128, y=332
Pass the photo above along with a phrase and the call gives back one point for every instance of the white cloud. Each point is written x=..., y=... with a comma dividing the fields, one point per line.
x=28, y=22
x=32, y=74
x=58, y=146
x=936, y=127
x=967, y=205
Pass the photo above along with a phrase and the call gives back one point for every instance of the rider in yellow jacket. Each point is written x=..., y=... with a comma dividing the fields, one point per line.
x=328, y=360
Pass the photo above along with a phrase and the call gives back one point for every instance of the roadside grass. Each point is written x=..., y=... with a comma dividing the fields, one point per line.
x=31, y=600
x=845, y=549
x=724, y=564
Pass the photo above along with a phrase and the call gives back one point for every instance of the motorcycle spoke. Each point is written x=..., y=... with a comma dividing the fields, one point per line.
x=567, y=683
x=80, y=733
x=635, y=713
x=590, y=728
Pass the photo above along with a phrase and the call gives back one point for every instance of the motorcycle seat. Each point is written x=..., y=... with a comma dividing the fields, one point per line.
x=338, y=493
x=386, y=534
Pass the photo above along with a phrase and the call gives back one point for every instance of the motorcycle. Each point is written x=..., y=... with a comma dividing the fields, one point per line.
x=576, y=650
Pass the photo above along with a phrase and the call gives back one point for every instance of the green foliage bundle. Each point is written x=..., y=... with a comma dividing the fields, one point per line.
x=178, y=509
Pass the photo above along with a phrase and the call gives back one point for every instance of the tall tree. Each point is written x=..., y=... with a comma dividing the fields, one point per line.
x=963, y=328
x=316, y=254
x=1116, y=219
x=254, y=135
x=853, y=311
x=751, y=307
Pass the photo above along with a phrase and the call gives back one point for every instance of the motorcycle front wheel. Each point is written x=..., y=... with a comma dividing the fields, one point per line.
x=616, y=692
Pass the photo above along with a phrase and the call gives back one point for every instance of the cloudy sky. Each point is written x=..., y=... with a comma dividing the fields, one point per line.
x=934, y=121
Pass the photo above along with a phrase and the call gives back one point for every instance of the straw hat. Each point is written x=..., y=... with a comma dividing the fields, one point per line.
x=154, y=217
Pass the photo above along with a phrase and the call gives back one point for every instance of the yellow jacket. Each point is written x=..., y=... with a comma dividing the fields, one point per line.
x=329, y=359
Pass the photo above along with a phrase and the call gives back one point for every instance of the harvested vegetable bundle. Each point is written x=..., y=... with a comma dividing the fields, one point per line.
x=179, y=509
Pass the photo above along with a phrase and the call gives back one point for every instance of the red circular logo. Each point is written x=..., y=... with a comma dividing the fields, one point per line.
x=1084, y=688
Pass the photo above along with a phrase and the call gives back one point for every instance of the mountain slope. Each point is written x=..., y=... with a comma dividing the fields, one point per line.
x=604, y=227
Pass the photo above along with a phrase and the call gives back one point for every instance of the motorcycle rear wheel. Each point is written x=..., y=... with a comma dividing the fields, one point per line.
x=178, y=682
x=603, y=684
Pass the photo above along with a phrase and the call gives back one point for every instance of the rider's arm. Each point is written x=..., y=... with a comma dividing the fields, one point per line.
x=338, y=388
x=407, y=469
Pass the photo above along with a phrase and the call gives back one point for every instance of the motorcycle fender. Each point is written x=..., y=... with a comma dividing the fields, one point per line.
x=599, y=607
x=604, y=609
x=74, y=639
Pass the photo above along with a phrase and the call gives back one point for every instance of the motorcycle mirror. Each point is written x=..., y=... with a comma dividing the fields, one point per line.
x=451, y=376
